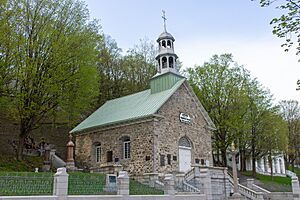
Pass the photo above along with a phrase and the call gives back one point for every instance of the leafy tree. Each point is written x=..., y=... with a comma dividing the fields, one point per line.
x=290, y=111
x=47, y=59
x=287, y=25
x=139, y=65
x=259, y=105
x=220, y=87
x=109, y=67
x=123, y=75
x=275, y=135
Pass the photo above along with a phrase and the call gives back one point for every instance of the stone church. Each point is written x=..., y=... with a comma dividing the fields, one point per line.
x=164, y=129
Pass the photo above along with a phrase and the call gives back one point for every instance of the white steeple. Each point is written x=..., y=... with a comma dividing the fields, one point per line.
x=166, y=56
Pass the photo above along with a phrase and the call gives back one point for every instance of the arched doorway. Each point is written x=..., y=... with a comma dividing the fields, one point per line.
x=185, y=154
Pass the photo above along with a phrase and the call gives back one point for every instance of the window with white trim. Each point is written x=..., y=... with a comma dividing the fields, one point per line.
x=126, y=149
x=98, y=153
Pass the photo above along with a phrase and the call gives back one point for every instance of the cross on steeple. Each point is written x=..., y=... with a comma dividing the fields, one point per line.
x=164, y=18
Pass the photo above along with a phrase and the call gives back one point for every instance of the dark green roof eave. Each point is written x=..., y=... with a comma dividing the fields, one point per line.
x=115, y=123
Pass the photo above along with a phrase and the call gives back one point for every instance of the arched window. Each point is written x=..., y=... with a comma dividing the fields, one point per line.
x=184, y=142
x=169, y=43
x=97, y=152
x=171, y=62
x=163, y=44
x=164, y=62
x=126, y=147
x=159, y=67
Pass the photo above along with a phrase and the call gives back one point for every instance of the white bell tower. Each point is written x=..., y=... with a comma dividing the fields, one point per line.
x=166, y=56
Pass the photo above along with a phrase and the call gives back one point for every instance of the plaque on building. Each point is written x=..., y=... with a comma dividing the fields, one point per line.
x=111, y=183
x=184, y=118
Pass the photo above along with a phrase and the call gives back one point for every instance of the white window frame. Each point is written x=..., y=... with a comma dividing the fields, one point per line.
x=98, y=153
x=126, y=150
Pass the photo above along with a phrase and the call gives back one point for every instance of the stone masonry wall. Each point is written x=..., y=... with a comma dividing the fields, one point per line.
x=141, y=139
x=169, y=130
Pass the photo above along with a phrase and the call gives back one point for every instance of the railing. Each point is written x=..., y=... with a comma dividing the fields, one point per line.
x=261, y=189
x=247, y=192
x=158, y=184
x=189, y=188
x=137, y=188
x=17, y=184
x=290, y=173
x=189, y=175
x=251, y=194
x=84, y=184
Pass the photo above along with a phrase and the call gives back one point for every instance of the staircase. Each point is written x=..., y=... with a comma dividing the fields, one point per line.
x=184, y=183
x=255, y=193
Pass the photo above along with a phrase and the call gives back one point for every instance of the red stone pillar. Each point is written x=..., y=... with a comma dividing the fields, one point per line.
x=70, y=154
x=46, y=163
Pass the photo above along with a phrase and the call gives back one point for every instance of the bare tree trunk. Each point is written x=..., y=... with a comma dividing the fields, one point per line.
x=253, y=166
x=224, y=158
x=243, y=160
x=271, y=164
x=21, y=146
x=218, y=158
x=24, y=131
x=286, y=162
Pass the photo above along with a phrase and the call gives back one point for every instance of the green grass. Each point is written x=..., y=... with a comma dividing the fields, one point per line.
x=296, y=170
x=11, y=164
x=86, y=183
x=31, y=183
x=266, y=179
x=137, y=188
x=275, y=184
x=25, y=183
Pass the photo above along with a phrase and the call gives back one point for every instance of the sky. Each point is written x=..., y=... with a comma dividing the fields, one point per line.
x=202, y=28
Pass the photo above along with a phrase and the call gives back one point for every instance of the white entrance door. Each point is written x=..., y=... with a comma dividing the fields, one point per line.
x=185, y=158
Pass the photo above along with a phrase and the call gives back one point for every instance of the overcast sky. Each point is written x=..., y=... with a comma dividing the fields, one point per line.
x=202, y=28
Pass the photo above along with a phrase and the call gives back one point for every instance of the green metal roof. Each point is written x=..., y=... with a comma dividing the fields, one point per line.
x=164, y=81
x=139, y=105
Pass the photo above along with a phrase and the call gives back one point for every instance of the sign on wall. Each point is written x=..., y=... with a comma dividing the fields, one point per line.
x=184, y=118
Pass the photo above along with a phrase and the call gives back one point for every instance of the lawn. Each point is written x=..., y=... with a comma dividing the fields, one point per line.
x=137, y=188
x=11, y=164
x=18, y=178
x=41, y=183
x=273, y=184
x=296, y=170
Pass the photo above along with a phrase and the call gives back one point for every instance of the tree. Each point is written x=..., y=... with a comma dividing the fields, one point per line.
x=220, y=87
x=123, y=75
x=47, y=51
x=287, y=25
x=275, y=135
x=139, y=65
x=290, y=111
x=259, y=105
x=109, y=67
